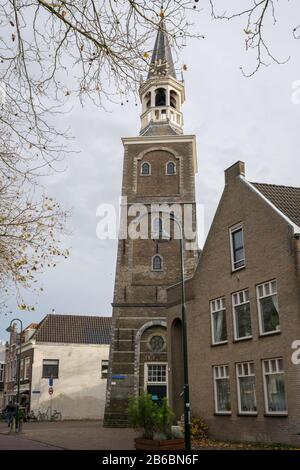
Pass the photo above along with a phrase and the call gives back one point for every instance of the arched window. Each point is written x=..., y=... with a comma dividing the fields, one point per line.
x=173, y=99
x=157, y=263
x=160, y=97
x=171, y=168
x=146, y=169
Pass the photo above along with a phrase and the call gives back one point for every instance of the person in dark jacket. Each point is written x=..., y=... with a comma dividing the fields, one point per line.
x=9, y=412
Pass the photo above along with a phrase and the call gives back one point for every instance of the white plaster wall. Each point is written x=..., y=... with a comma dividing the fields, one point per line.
x=79, y=392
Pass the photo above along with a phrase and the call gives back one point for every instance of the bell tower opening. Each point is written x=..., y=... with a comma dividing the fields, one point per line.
x=160, y=97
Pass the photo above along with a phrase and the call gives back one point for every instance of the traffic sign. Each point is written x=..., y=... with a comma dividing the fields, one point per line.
x=50, y=391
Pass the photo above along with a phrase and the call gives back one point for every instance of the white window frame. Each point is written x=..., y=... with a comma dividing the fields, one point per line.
x=145, y=174
x=233, y=229
x=271, y=292
x=243, y=291
x=1, y=371
x=175, y=168
x=146, y=382
x=278, y=371
x=225, y=368
x=162, y=264
x=27, y=362
x=238, y=376
x=214, y=308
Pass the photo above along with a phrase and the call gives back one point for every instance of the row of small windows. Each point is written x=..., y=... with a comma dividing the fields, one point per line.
x=273, y=383
x=146, y=168
x=268, y=313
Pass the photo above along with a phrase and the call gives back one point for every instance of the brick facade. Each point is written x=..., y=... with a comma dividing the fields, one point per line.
x=271, y=253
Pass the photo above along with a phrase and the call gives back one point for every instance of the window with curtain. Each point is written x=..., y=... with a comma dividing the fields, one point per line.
x=268, y=307
x=222, y=389
x=171, y=168
x=157, y=263
x=50, y=368
x=275, y=397
x=246, y=388
x=241, y=314
x=218, y=321
x=146, y=169
x=237, y=247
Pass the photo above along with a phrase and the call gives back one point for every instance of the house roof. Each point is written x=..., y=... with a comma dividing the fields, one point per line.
x=79, y=329
x=285, y=198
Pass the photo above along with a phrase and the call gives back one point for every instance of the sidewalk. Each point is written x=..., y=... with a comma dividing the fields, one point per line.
x=73, y=435
x=8, y=442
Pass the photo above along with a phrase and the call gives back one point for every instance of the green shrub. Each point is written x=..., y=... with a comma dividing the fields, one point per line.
x=142, y=413
x=164, y=419
x=145, y=414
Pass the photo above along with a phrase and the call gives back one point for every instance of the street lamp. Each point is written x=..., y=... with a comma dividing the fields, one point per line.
x=186, y=387
x=10, y=329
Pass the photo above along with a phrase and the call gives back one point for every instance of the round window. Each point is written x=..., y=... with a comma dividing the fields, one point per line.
x=157, y=343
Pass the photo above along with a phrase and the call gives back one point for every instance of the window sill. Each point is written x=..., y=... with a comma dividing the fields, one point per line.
x=223, y=413
x=219, y=344
x=270, y=333
x=234, y=270
x=276, y=415
x=237, y=340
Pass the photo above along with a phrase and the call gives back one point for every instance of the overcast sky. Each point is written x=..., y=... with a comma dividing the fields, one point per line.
x=233, y=117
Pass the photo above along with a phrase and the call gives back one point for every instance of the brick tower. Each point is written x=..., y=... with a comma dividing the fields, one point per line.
x=159, y=168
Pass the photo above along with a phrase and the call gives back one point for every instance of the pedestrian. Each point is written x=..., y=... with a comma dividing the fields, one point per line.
x=9, y=412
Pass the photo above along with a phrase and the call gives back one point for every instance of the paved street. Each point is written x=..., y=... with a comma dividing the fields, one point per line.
x=75, y=435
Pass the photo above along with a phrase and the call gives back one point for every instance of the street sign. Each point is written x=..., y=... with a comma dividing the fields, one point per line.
x=51, y=382
x=50, y=391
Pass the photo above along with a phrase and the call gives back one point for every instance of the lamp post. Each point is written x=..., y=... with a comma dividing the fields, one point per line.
x=186, y=387
x=10, y=330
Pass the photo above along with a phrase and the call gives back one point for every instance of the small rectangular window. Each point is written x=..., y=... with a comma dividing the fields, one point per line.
x=104, y=369
x=50, y=368
x=237, y=247
x=218, y=321
x=157, y=373
x=274, y=386
x=268, y=307
x=222, y=389
x=241, y=315
x=246, y=388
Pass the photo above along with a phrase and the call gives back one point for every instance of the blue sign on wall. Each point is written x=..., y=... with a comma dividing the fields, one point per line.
x=51, y=382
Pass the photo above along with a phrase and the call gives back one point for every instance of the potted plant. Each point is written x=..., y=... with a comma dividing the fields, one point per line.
x=155, y=421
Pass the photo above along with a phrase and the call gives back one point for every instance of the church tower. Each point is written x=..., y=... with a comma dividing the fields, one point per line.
x=159, y=169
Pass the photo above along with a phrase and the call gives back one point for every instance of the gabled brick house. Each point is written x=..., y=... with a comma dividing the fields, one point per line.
x=243, y=310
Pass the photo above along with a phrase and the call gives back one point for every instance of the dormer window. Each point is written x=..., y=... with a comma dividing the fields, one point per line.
x=160, y=97
x=170, y=168
x=146, y=169
x=157, y=263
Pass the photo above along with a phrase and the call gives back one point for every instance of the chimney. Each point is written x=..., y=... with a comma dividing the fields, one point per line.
x=237, y=169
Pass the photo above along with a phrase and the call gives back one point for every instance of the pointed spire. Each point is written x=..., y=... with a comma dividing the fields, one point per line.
x=162, y=61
